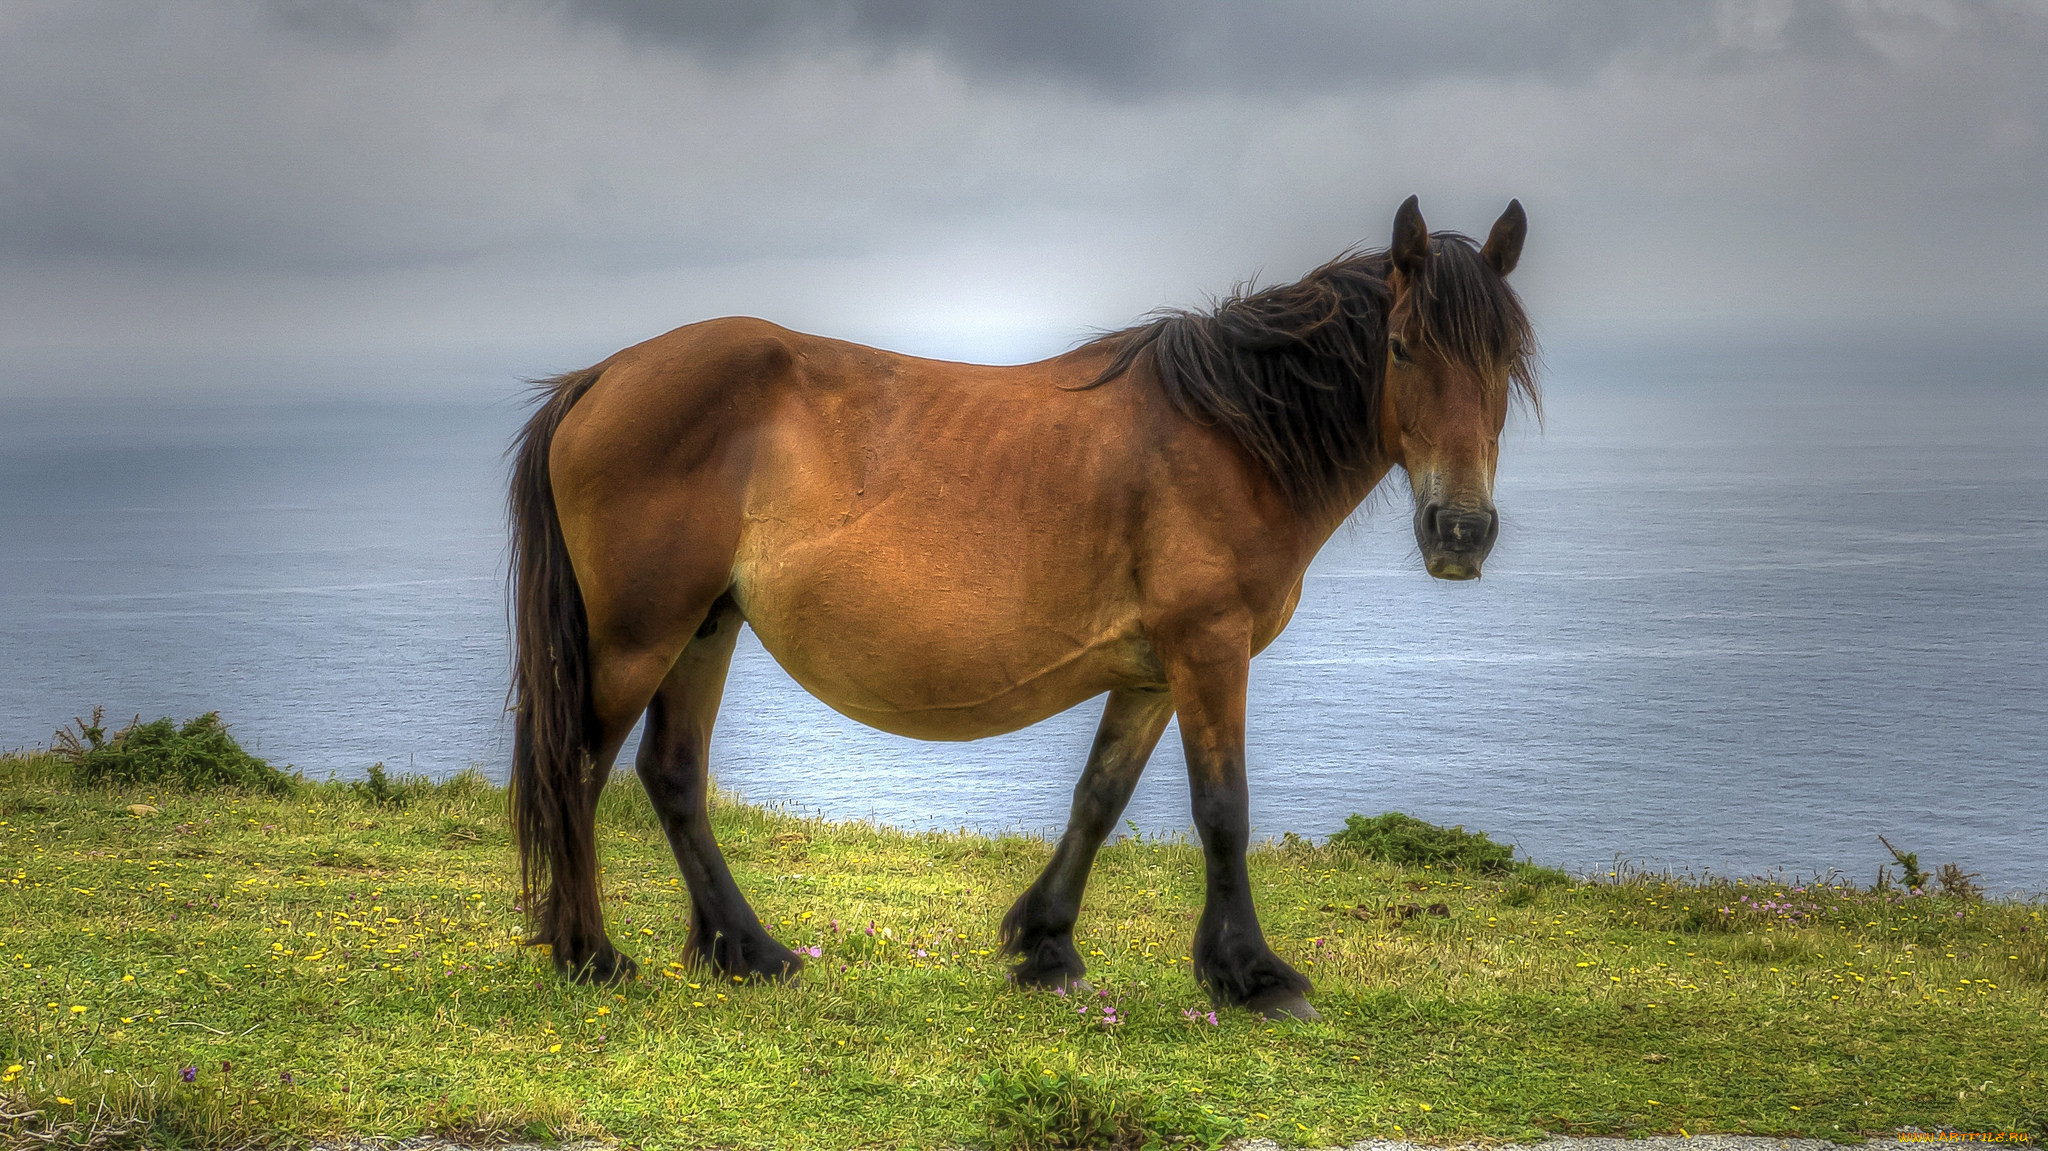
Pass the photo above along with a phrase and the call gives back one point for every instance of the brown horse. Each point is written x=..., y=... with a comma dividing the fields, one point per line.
x=952, y=551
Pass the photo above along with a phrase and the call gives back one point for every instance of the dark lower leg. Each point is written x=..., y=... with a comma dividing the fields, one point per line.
x=674, y=768
x=572, y=919
x=1231, y=957
x=1039, y=929
x=581, y=949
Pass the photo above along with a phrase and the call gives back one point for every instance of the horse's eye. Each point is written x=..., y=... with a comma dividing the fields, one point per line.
x=1400, y=350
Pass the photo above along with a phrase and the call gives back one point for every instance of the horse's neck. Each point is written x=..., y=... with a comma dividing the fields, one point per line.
x=1322, y=522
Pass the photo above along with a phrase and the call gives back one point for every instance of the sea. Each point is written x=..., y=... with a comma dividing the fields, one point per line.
x=1743, y=619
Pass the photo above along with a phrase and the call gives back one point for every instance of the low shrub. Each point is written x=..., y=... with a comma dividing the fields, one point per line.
x=1957, y=883
x=199, y=755
x=1910, y=875
x=380, y=788
x=1411, y=842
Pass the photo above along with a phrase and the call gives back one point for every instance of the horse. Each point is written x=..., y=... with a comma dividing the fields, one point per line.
x=950, y=551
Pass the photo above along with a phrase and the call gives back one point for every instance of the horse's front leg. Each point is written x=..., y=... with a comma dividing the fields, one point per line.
x=1039, y=929
x=1208, y=674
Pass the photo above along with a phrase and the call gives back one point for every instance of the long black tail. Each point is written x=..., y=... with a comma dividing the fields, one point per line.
x=553, y=795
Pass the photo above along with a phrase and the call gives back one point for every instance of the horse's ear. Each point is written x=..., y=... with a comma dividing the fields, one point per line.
x=1504, y=244
x=1411, y=238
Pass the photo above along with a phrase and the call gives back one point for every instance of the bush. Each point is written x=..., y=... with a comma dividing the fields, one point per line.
x=199, y=755
x=1955, y=882
x=1910, y=874
x=379, y=788
x=1411, y=842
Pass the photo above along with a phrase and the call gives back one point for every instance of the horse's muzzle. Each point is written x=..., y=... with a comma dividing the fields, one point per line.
x=1455, y=540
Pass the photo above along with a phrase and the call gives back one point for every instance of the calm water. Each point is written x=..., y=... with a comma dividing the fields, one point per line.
x=1732, y=628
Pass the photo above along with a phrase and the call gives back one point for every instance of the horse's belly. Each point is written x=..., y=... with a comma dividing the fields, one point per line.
x=951, y=659
x=878, y=700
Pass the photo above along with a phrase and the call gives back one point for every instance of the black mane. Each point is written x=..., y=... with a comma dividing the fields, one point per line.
x=1295, y=372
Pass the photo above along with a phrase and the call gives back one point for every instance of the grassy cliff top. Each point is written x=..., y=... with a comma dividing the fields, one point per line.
x=186, y=967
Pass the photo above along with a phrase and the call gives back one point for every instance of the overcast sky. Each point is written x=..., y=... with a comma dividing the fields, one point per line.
x=532, y=182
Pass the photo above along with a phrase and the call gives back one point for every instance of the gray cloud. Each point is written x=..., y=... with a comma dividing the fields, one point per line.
x=1144, y=47
x=352, y=23
x=1140, y=48
x=992, y=178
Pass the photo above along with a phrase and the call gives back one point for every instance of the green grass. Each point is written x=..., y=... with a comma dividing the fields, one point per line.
x=367, y=949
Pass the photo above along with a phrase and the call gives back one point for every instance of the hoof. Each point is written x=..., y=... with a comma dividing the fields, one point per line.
x=1063, y=980
x=747, y=958
x=1049, y=963
x=1282, y=1003
x=773, y=963
x=770, y=969
x=605, y=967
x=1056, y=983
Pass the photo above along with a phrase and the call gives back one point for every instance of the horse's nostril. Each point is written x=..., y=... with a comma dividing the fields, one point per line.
x=1460, y=530
x=1431, y=523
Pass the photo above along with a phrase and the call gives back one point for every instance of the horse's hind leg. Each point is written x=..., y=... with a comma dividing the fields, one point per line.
x=673, y=766
x=574, y=920
x=1040, y=928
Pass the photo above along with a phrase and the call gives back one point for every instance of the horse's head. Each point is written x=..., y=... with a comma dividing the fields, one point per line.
x=1458, y=344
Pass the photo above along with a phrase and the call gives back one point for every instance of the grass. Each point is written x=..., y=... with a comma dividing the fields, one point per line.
x=181, y=968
